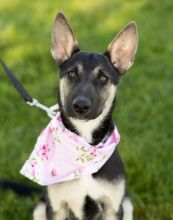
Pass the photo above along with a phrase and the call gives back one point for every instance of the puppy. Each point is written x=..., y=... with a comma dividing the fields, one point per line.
x=87, y=91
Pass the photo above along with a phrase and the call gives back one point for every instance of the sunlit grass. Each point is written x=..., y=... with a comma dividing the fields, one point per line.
x=144, y=103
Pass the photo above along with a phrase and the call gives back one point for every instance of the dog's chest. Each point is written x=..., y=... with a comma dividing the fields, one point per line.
x=73, y=194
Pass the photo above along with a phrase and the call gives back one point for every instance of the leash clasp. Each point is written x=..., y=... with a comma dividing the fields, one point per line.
x=37, y=104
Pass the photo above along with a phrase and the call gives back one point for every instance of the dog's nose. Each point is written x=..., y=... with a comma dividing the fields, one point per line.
x=81, y=105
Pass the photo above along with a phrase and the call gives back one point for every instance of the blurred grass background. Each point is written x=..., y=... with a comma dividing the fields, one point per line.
x=145, y=105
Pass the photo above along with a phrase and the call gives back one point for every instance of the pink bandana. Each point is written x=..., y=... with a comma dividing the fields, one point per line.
x=61, y=155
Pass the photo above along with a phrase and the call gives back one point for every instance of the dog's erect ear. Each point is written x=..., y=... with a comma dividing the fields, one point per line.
x=123, y=48
x=64, y=42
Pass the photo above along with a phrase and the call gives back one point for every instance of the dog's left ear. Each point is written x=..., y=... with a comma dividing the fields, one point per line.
x=64, y=42
x=123, y=48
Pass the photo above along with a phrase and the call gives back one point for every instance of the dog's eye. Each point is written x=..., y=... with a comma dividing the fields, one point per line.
x=72, y=74
x=103, y=79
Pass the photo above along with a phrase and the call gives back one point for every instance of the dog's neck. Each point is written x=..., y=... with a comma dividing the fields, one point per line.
x=94, y=131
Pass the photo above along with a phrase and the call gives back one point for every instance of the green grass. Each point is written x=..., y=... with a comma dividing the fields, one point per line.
x=144, y=111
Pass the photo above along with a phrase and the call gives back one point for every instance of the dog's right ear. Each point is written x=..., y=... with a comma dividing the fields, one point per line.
x=122, y=49
x=64, y=42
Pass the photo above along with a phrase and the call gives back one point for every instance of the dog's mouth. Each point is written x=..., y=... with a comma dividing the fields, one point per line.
x=83, y=116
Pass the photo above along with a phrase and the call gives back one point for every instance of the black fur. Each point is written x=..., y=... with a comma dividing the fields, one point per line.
x=112, y=169
x=91, y=209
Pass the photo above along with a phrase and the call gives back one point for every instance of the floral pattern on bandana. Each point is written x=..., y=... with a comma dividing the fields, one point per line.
x=61, y=155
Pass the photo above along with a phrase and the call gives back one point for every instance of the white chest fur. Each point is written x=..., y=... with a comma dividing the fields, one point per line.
x=73, y=193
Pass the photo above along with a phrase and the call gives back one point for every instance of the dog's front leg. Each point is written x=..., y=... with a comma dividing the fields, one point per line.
x=40, y=212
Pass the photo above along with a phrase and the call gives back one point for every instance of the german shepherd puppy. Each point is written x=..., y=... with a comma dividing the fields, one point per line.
x=87, y=91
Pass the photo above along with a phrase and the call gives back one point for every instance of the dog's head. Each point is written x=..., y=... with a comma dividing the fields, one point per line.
x=88, y=81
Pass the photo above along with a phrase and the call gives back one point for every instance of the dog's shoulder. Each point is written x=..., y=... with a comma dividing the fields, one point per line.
x=113, y=169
